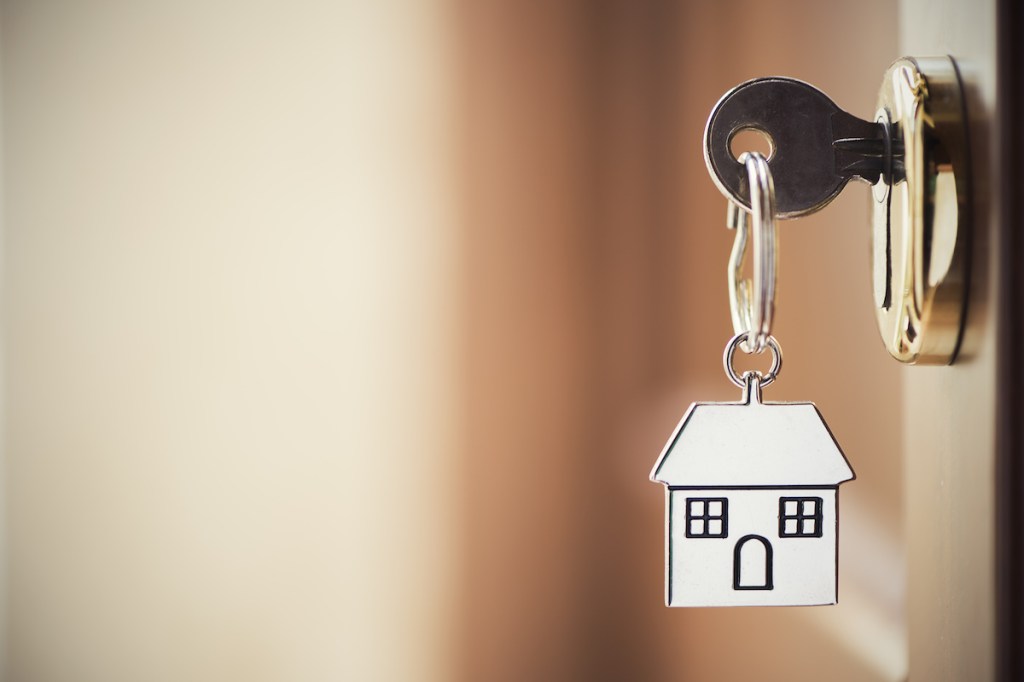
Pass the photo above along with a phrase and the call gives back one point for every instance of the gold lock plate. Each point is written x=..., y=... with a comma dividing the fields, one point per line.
x=921, y=213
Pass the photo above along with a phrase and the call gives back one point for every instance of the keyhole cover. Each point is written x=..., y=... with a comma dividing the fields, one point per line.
x=921, y=213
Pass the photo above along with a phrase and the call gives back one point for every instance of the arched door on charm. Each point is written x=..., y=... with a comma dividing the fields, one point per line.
x=752, y=564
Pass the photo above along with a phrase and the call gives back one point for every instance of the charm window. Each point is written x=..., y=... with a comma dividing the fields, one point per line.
x=800, y=517
x=707, y=517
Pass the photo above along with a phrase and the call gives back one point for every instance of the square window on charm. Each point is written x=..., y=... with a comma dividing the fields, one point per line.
x=800, y=517
x=707, y=517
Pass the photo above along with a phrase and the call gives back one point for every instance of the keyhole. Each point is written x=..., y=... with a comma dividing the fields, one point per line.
x=751, y=140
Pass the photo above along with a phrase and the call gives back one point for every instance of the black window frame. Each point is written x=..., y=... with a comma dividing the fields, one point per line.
x=800, y=517
x=707, y=517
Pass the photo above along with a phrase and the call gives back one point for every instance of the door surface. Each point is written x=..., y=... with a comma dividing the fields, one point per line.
x=952, y=415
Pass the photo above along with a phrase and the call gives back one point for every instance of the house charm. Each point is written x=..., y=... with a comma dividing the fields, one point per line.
x=752, y=493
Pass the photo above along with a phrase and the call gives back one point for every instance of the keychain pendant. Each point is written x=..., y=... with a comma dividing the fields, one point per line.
x=752, y=488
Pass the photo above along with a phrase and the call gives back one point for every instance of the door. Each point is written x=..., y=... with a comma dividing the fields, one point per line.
x=752, y=564
x=962, y=423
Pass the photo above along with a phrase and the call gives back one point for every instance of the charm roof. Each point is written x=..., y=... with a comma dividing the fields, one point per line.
x=752, y=444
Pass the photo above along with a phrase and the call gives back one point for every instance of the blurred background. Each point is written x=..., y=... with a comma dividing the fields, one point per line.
x=341, y=338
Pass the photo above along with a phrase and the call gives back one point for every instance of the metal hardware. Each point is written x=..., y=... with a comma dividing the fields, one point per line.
x=816, y=146
x=922, y=213
x=740, y=380
x=752, y=513
x=915, y=154
x=752, y=303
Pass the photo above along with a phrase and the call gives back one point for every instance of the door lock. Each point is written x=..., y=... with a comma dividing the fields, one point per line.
x=915, y=154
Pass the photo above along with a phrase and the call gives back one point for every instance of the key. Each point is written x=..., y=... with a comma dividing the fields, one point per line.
x=816, y=147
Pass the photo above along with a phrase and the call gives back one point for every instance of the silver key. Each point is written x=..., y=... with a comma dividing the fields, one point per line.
x=816, y=147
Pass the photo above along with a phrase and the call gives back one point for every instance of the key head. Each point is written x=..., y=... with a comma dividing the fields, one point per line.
x=816, y=147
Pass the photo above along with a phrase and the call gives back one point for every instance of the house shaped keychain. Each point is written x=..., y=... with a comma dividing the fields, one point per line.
x=752, y=494
x=752, y=514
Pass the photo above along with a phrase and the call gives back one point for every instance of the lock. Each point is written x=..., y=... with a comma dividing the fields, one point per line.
x=921, y=213
x=915, y=154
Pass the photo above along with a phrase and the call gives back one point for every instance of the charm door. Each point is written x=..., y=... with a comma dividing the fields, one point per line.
x=752, y=564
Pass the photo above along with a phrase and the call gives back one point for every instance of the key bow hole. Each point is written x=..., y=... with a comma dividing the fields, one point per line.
x=750, y=139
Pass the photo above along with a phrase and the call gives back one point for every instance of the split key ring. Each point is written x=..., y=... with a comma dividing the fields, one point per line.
x=752, y=301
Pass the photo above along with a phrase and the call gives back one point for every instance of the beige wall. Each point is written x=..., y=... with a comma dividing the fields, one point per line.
x=229, y=326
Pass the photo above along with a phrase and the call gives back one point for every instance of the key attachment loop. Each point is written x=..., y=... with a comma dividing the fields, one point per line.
x=752, y=302
x=742, y=380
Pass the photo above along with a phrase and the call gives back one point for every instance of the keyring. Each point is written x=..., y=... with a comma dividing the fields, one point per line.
x=752, y=302
x=730, y=351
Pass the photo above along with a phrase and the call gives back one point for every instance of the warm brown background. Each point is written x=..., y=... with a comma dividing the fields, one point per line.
x=340, y=339
x=594, y=256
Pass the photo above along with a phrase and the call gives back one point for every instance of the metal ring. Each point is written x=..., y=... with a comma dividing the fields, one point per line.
x=752, y=302
x=730, y=351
